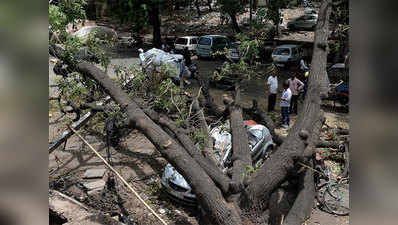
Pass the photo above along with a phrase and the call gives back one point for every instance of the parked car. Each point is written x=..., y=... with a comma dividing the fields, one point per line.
x=103, y=33
x=303, y=22
x=260, y=143
x=191, y=42
x=338, y=72
x=286, y=55
x=210, y=44
x=309, y=11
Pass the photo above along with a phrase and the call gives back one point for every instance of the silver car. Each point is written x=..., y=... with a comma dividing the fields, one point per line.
x=286, y=55
x=307, y=21
x=260, y=143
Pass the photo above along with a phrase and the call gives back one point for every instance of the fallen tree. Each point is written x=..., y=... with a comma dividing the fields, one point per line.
x=241, y=198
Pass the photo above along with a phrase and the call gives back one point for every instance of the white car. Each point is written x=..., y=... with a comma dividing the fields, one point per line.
x=286, y=55
x=260, y=144
x=191, y=42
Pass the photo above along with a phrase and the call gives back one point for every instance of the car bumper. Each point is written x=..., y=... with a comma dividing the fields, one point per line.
x=204, y=53
x=185, y=198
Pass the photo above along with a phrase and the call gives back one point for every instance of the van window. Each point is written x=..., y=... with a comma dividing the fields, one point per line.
x=281, y=51
x=194, y=41
x=295, y=51
x=204, y=41
x=220, y=41
x=182, y=41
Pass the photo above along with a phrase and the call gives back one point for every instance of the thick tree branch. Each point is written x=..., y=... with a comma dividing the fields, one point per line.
x=208, y=195
x=241, y=157
x=209, y=166
x=275, y=170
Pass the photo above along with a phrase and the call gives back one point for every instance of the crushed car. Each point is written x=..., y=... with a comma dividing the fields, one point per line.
x=157, y=60
x=260, y=143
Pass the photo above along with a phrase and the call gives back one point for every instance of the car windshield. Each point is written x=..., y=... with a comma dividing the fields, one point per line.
x=204, y=41
x=182, y=41
x=281, y=51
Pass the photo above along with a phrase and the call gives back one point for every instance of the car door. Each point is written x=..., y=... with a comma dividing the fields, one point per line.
x=299, y=23
x=194, y=43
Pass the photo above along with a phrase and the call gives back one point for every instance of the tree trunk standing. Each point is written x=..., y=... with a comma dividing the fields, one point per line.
x=235, y=25
x=177, y=5
x=282, y=162
x=209, y=4
x=91, y=10
x=197, y=7
x=153, y=11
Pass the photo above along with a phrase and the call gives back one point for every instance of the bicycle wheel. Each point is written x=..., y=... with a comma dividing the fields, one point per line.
x=336, y=199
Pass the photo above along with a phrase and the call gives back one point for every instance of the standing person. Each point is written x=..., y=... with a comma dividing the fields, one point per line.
x=303, y=67
x=285, y=104
x=272, y=84
x=295, y=86
x=187, y=56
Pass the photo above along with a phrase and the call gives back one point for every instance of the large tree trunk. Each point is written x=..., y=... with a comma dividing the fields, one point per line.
x=153, y=11
x=234, y=22
x=197, y=7
x=308, y=124
x=209, y=4
x=211, y=187
x=241, y=157
x=302, y=207
x=209, y=196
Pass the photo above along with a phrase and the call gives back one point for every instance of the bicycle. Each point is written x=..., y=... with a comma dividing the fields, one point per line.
x=335, y=198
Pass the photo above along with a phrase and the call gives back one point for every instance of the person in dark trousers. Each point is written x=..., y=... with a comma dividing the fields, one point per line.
x=285, y=104
x=295, y=86
x=187, y=56
x=272, y=84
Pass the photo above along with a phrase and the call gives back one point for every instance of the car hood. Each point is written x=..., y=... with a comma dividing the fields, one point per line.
x=171, y=174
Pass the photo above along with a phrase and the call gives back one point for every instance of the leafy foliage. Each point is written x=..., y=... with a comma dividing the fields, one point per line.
x=233, y=7
x=131, y=12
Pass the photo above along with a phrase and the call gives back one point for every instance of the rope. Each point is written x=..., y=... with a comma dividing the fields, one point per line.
x=117, y=174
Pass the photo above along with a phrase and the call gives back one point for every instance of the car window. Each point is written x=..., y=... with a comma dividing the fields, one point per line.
x=295, y=51
x=281, y=51
x=204, y=41
x=194, y=41
x=182, y=41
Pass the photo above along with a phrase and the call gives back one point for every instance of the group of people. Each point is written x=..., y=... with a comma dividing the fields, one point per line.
x=290, y=94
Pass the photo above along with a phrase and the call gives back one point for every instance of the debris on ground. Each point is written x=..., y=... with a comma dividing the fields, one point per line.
x=94, y=173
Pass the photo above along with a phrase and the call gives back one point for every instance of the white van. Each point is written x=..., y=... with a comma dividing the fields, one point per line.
x=191, y=42
x=286, y=55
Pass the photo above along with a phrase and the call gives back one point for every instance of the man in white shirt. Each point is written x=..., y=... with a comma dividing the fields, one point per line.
x=272, y=84
x=285, y=104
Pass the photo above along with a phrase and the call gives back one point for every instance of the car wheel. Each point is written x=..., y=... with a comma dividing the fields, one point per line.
x=268, y=152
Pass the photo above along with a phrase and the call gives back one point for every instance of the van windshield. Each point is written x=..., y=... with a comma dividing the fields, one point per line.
x=182, y=41
x=204, y=41
x=281, y=51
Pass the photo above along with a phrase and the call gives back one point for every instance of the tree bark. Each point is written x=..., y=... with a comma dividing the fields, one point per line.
x=241, y=157
x=197, y=7
x=153, y=11
x=209, y=4
x=302, y=207
x=209, y=197
x=234, y=22
x=275, y=170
